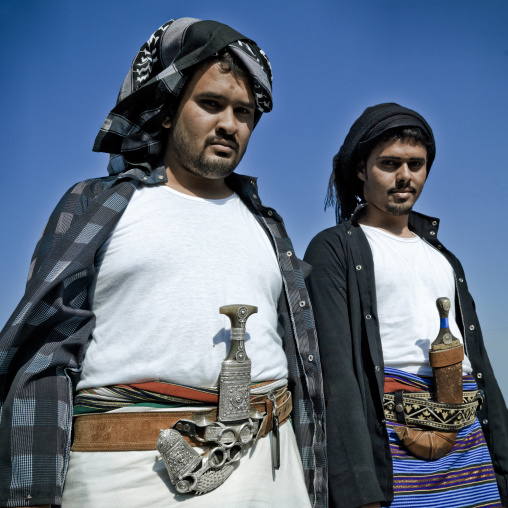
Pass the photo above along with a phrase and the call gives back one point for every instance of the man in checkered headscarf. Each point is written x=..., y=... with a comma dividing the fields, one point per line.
x=120, y=320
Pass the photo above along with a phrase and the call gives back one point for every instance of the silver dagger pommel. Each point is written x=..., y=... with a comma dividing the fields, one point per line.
x=238, y=314
x=235, y=378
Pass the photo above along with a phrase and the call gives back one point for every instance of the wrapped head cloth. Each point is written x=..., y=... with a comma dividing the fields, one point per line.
x=132, y=130
x=345, y=189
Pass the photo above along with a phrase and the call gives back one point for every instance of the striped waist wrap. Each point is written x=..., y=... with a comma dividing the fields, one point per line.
x=122, y=417
x=463, y=478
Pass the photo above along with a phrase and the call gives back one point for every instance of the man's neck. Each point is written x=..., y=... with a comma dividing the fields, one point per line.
x=397, y=225
x=193, y=185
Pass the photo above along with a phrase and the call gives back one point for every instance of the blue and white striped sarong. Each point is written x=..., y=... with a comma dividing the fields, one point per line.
x=464, y=478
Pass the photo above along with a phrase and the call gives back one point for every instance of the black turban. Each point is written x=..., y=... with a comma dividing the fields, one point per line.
x=345, y=187
x=156, y=79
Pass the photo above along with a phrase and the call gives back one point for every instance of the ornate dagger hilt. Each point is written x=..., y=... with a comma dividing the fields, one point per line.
x=444, y=339
x=235, y=376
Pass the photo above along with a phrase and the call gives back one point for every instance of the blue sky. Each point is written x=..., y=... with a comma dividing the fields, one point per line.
x=63, y=63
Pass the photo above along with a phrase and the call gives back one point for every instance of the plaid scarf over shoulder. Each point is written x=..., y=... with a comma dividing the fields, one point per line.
x=43, y=344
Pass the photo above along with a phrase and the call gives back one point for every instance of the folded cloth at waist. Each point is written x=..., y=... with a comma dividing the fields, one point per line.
x=157, y=394
x=410, y=402
x=123, y=431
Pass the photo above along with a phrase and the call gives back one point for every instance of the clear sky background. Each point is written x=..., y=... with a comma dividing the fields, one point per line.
x=63, y=62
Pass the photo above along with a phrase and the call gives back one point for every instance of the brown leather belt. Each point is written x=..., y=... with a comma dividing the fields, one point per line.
x=134, y=431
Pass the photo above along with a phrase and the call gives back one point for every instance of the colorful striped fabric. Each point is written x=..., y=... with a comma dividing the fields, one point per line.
x=155, y=394
x=464, y=478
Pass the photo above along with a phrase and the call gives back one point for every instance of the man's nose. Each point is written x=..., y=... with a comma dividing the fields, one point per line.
x=404, y=173
x=227, y=121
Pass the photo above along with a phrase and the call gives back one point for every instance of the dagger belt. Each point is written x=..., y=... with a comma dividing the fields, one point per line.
x=421, y=409
x=227, y=430
x=429, y=421
x=239, y=423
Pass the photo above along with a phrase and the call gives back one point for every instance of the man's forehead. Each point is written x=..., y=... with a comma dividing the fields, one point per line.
x=395, y=145
x=212, y=78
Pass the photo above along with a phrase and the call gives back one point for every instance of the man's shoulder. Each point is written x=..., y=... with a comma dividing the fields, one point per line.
x=329, y=242
x=91, y=186
x=332, y=234
x=106, y=191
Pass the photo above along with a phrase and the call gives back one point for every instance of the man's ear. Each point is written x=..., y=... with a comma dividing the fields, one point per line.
x=361, y=172
x=166, y=122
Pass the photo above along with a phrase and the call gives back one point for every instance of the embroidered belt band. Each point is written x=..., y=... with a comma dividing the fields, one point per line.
x=101, y=432
x=419, y=408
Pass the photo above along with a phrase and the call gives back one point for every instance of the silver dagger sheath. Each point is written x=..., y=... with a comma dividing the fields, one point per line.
x=235, y=374
x=235, y=427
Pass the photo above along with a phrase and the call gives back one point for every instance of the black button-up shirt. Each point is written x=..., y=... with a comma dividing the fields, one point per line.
x=342, y=289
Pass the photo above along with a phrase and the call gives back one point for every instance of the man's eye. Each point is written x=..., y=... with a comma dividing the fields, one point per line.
x=388, y=163
x=210, y=103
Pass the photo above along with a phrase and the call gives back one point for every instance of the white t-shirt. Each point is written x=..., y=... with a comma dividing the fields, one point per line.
x=162, y=275
x=410, y=275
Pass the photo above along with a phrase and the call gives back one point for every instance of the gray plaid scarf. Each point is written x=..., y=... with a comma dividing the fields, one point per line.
x=156, y=78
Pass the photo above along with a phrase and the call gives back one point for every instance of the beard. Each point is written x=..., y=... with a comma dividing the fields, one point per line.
x=214, y=167
x=399, y=209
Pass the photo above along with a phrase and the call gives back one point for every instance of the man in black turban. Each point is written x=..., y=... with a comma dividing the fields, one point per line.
x=396, y=434
x=119, y=333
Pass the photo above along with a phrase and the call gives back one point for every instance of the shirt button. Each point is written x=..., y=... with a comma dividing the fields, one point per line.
x=358, y=267
x=289, y=253
x=485, y=421
x=432, y=233
x=145, y=178
x=368, y=316
x=255, y=196
x=160, y=177
x=471, y=327
x=302, y=304
x=461, y=279
x=311, y=358
x=253, y=182
x=349, y=232
x=377, y=368
x=439, y=247
x=434, y=222
x=479, y=375
x=270, y=213
x=399, y=408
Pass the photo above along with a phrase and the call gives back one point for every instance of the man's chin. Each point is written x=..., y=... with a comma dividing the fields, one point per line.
x=213, y=171
x=399, y=210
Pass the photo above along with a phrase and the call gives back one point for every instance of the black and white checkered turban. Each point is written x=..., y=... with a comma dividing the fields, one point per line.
x=156, y=79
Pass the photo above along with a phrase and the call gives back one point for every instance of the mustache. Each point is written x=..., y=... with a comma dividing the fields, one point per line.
x=228, y=138
x=404, y=187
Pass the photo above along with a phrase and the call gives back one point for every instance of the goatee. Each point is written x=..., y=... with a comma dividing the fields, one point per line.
x=399, y=210
x=209, y=166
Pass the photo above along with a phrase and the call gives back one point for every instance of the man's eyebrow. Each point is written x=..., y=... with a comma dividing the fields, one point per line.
x=218, y=96
x=394, y=157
